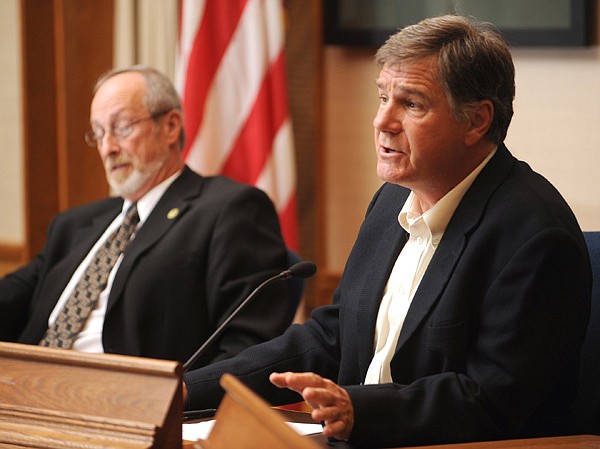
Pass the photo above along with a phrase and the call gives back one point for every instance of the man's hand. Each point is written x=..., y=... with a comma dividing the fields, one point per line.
x=331, y=403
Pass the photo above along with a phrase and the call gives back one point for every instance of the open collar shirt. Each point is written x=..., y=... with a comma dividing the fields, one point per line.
x=425, y=231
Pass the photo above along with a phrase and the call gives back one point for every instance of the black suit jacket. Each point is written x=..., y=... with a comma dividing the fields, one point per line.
x=490, y=345
x=180, y=277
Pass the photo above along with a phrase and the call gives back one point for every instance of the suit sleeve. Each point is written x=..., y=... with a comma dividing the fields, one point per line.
x=246, y=248
x=16, y=293
x=312, y=346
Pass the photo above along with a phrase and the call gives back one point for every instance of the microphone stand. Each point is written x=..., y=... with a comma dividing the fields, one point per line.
x=287, y=274
x=300, y=270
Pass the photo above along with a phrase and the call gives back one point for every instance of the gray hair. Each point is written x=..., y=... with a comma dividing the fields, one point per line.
x=160, y=96
x=474, y=64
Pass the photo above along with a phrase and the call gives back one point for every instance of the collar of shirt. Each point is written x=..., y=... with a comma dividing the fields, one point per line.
x=146, y=203
x=437, y=218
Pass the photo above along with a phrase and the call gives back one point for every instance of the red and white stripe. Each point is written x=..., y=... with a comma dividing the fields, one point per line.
x=231, y=77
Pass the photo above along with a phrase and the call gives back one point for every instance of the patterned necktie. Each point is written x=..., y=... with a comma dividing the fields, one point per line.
x=85, y=296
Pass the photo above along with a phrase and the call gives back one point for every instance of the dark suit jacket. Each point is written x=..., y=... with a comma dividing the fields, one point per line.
x=179, y=278
x=490, y=345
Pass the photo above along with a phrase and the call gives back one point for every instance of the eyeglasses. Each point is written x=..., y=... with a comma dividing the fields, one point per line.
x=119, y=130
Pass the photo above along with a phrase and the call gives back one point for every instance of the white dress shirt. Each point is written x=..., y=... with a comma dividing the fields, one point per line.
x=425, y=232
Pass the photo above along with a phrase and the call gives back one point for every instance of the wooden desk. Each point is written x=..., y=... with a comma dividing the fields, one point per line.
x=575, y=441
x=52, y=398
x=570, y=442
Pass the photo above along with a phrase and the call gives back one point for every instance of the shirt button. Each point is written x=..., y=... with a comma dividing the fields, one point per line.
x=420, y=240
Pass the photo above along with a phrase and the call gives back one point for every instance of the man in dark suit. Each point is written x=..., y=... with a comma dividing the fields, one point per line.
x=201, y=246
x=463, y=304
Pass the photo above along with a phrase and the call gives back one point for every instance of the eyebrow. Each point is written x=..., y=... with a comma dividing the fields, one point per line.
x=402, y=90
x=112, y=117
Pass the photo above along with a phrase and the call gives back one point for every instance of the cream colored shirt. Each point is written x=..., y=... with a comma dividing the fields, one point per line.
x=425, y=233
x=90, y=337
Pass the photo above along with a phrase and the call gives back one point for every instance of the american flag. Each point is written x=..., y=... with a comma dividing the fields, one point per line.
x=231, y=76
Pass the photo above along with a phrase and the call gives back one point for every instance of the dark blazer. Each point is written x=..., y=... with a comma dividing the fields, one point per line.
x=180, y=277
x=490, y=345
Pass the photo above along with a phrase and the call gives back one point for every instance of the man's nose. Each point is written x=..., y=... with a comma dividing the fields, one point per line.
x=108, y=144
x=388, y=119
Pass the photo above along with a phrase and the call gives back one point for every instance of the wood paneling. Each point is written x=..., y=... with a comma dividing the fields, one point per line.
x=66, y=45
x=39, y=120
x=304, y=67
x=78, y=400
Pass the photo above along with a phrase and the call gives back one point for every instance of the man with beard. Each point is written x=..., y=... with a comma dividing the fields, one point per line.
x=153, y=271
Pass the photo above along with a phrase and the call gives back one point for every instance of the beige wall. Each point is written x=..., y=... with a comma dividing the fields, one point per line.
x=556, y=128
x=11, y=147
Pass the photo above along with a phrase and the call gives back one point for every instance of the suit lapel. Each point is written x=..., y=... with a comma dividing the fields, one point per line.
x=170, y=208
x=83, y=239
x=465, y=219
x=383, y=251
x=387, y=249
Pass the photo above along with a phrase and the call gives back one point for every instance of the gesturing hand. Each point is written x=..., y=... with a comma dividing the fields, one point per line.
x=331, y=403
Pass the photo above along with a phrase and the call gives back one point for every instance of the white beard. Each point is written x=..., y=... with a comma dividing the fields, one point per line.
x=135, y=180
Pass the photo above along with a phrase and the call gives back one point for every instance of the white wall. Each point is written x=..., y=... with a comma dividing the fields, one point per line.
x=156, y=41
x=11, y=146
x=556, y=128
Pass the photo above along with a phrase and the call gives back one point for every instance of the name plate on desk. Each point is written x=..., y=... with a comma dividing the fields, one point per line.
x=56, y=398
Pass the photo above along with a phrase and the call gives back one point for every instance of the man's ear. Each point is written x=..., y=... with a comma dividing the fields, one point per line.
x=173, y=121
x=479, y=122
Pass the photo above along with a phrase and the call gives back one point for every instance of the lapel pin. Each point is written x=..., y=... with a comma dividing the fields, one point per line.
x=173, y=213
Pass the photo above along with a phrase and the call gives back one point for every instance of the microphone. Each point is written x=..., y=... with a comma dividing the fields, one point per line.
x=300, y=270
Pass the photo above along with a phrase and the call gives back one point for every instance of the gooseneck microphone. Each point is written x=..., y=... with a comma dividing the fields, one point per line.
x=300, y=270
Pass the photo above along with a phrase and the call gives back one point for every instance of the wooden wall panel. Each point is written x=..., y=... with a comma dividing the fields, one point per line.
x=66, y=45
x=303, y=62
x=84, y=52
x=39, y=120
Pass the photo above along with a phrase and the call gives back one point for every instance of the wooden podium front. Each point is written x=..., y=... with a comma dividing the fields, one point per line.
x=56, y=398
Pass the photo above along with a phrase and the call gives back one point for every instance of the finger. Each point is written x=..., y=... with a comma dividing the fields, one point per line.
x=322, y=414
x=286, y=380
x=296, y=381
x=185, y=393
x=321, y=396
x=336, y=429
x=334, y=409
x=278, y=379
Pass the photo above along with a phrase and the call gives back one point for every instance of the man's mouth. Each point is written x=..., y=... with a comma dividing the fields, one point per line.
x=388, y=150
x=115, y=166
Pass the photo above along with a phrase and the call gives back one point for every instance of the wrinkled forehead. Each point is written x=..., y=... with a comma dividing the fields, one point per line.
x=122, y=92
x=431, y=62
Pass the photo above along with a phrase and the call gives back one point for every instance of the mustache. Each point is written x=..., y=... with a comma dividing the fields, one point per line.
x=112, y=161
